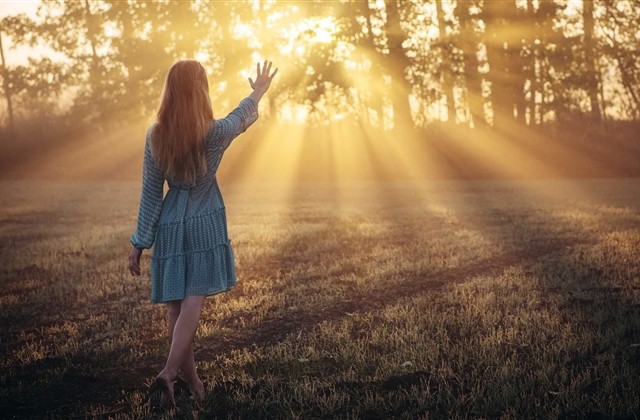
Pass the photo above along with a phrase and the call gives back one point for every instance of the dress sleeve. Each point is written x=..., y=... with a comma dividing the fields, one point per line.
x=150, y=200
x=238, y=120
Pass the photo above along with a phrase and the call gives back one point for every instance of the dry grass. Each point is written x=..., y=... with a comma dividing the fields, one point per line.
x=443, y=299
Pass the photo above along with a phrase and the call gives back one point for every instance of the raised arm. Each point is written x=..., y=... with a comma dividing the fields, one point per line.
x=246, y=113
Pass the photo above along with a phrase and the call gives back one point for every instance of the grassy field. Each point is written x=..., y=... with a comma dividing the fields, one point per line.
x=513, y=299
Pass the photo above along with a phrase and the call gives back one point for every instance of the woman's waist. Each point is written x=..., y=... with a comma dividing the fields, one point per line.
x=191, y=214
x=182, y=203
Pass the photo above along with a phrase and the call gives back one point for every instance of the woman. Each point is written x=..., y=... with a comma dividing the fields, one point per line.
x=192, y=256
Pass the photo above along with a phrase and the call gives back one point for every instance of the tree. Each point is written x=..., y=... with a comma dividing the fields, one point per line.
x=544, y=48
x=392, y=63
x=469, y=41
x=503, y=40
x=446, y=53
x=119, y=51
x=591, y=74
x=6, y=86
x=620, y=44
x=396, y=64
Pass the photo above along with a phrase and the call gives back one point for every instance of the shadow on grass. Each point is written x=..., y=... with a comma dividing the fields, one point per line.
x=60, y=337
x=222, y=403
x=531, y=237
x=590, y=302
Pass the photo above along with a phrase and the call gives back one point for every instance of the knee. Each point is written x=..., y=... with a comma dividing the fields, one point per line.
x=193, y=303
x=173, y=311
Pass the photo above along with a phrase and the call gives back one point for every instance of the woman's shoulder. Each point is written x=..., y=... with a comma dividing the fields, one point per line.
x=151, y=129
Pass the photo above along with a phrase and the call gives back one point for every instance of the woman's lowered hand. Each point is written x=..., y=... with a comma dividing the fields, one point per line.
x=134, y=261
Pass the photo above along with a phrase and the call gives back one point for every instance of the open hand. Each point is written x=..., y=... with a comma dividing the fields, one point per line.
x=263, y=78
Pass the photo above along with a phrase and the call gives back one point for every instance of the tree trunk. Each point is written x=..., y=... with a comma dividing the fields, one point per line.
x=518, y=63
x=503, y=61
x=473, y=78
x=397, y=63
x=91, y=36
x=629, y=84
x=7, y=89
x=95, y=78
x=447, y=85
x=376, y=94
x=534, y=73
x=592, y=79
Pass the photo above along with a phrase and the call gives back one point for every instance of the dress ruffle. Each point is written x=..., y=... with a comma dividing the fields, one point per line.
x=191, y=257
x=193, y=274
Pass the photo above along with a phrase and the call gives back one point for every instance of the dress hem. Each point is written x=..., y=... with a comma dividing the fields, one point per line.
x=194, y=294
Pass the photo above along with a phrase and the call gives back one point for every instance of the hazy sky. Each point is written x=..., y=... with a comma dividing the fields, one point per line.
x=13, y=7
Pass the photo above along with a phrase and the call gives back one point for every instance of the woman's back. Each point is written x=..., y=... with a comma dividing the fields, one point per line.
x=204, y=194
x=188, y=227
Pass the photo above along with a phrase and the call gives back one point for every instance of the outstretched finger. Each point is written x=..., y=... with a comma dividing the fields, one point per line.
x=258, y=68
x=274, y=73
x=268, y=69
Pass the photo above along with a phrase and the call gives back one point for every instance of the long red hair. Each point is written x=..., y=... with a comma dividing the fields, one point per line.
x=184, y=117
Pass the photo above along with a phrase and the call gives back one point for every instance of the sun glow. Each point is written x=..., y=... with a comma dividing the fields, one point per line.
x=344, y=124
x=574, y=7
x=202, y=56
x=323, y=29
x=309, y=31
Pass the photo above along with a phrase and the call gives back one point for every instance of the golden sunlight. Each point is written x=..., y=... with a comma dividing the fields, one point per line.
x=426, y=186
x=19, y=54
x=323, y=29
x=309, y=31
x=573, y=7
x=349, y=107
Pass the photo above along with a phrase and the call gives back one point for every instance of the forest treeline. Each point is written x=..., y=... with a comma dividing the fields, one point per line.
x=386, y=64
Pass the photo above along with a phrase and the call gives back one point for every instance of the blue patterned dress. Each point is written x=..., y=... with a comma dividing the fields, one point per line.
x=192, y=253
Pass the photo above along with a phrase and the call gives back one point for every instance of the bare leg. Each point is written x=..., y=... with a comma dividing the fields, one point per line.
x=183, y=331
x=173, y=311
x=188, y=366
x=165, y=382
